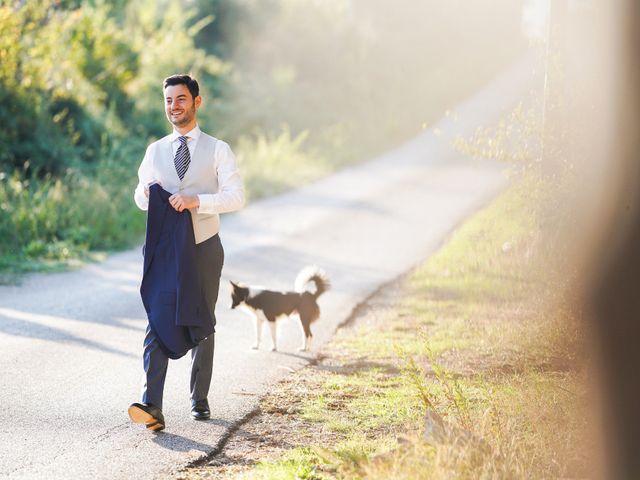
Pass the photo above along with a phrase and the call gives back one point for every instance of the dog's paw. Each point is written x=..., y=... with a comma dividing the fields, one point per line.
x=274, y=349
x=255, y=347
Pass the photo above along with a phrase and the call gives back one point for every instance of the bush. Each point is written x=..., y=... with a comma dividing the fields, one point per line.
x=273, y=163
x=81, y=211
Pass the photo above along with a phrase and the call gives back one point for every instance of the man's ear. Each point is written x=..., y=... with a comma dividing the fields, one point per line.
x=197, y=101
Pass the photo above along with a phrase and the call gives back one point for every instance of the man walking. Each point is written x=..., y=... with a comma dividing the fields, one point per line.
x=200, y=173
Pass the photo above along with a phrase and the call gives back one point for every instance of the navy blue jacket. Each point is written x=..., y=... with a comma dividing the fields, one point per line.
x=171, y=291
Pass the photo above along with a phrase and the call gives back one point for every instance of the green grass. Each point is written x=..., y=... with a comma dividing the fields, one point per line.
x=342, y=408
x=474, y=338
x=299, y=463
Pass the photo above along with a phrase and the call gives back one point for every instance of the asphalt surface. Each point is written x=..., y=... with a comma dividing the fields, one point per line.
x=71, y=342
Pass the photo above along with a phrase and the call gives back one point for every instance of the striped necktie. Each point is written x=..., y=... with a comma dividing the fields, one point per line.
x=182, y=158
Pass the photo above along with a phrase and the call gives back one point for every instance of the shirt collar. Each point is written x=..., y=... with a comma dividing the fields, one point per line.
x=193, y=134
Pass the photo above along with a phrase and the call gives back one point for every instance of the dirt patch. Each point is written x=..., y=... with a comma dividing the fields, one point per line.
x=276, y=429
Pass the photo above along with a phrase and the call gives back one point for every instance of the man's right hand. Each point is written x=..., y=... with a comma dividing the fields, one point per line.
x=146, y=189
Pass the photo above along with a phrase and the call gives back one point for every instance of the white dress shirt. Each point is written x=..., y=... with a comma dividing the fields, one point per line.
x=228, y=177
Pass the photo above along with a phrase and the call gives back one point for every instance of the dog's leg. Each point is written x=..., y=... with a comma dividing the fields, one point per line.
x=294, y=317
x=273, y=327
x=306, y=331
x=258, y=324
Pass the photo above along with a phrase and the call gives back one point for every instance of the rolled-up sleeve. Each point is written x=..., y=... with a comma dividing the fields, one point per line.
x=230, y=196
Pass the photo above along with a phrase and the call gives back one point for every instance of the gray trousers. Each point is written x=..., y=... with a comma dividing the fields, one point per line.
x=210, y=258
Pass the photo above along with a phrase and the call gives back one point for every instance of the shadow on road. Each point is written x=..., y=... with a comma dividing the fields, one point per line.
x=308, y=357
x=178, y=443
x=26, y=324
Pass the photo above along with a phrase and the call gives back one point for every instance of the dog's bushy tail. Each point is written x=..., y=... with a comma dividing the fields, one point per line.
x=315, y=274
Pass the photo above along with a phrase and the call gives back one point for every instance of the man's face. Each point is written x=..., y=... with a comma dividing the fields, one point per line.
x=180, y=107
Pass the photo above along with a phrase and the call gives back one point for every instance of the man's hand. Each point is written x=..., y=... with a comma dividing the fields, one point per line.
x=180, y=202
x=146, y=188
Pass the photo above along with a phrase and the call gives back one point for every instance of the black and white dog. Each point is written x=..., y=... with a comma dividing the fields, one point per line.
x=269, y=305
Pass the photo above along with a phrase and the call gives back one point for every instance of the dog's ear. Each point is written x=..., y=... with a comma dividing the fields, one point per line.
x=234, y=285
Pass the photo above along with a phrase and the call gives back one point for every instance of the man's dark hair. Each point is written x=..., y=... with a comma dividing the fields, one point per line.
x=182, y=79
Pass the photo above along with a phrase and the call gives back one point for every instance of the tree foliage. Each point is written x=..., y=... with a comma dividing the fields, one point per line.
x=77, y=76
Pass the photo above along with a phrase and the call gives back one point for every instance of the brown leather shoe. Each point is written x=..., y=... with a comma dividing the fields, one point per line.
x=200, y=410
x=148, y=414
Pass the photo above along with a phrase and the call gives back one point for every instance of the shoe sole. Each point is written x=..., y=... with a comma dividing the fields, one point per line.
x=138, y=415
x=201, y=418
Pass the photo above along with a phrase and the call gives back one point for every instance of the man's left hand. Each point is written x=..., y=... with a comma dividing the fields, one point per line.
x=179, y=202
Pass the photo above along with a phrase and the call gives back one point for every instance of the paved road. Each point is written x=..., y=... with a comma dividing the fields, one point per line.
x=71, y=342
